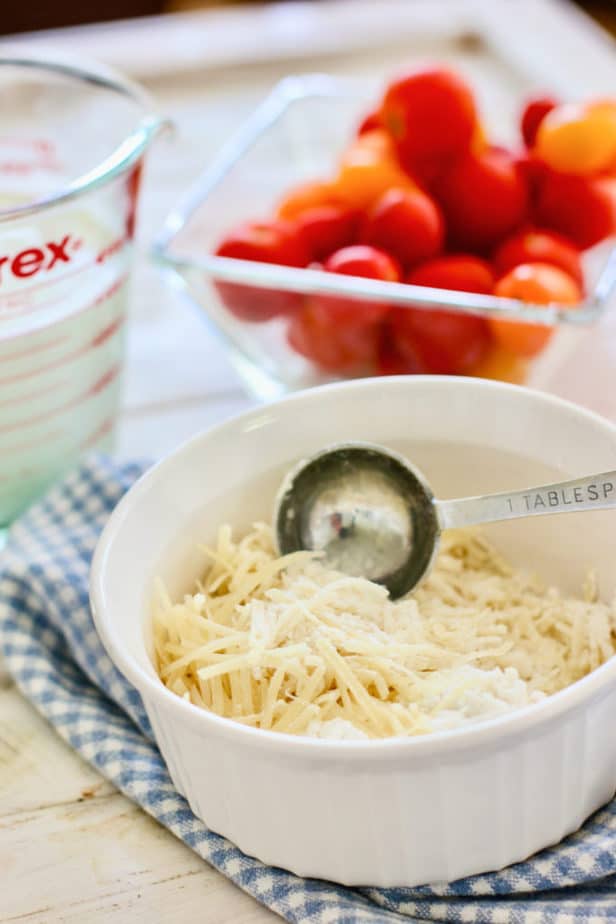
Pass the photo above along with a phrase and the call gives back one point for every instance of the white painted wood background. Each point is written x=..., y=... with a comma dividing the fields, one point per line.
x=71, y=848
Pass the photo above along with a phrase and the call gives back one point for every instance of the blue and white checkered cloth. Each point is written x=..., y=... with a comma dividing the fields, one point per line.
x=53, y=652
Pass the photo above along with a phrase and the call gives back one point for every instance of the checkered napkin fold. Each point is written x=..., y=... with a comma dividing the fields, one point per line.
x=53, y=652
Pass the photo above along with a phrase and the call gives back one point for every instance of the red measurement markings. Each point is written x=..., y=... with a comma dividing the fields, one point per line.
x=35, y=442
x=98, y=434
x=111, y=291
x=21, y=168
x=69, y=274
x=103, y=382
x=99, y=338
x=27, y=352
x=46, y=306
x=91, y=440
x=46, y=389
x=107, y=332
x=43, y=145
x=29, y=472
x=111, y=249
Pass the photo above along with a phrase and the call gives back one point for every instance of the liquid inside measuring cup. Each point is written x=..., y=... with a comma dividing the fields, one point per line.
x=64, y=274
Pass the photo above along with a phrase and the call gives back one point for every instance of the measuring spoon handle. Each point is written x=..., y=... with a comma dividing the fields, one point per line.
x=594, y=492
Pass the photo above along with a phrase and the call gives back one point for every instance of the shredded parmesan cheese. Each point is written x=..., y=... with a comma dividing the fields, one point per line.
x=288, y=645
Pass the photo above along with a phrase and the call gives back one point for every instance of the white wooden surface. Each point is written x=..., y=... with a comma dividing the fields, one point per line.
x=71, y=848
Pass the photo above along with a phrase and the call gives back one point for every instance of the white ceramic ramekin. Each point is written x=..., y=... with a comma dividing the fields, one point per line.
x=399, y=811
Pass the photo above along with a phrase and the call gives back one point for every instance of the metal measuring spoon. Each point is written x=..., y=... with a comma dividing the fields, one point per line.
x=374, y=515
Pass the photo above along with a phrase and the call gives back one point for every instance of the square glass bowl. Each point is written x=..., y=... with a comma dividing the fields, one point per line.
x=296, y=135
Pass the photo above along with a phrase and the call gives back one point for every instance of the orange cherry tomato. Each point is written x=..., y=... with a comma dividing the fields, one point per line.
x=307, y=196
x=540, y=284
x=375, y=139
x=501, y=364
x=368, y=169
x=479, y=141
x=608, y=105
x=578, y=139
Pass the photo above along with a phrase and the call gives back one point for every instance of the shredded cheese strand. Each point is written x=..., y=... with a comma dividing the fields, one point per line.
x=288, y=645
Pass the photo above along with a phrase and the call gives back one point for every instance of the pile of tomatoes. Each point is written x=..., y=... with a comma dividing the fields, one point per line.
x=421, y=196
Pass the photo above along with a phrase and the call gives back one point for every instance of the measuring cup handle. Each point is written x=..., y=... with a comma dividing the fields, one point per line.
x=594, y=492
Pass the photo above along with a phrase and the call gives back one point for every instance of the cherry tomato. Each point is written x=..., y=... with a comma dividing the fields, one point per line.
x=391, y=361
x=305, y=197
x=532, y=116
x=407, y=224
x=484, y=198
x=369, y=123
x=532, y=170
x=430, y=114
x=603, y=105
x=479, y=141
x=317, y=334
x=368, y=169
x=443, y=342
x=581, y=208
x=264, y=242
x=535, y=246
x=364, y=261
x=502, y=365
x=327, y=228
x=461, y=272
x=540, y=284
x=577, y=139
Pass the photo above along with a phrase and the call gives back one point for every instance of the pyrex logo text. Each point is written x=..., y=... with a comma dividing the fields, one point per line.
x=33, y=260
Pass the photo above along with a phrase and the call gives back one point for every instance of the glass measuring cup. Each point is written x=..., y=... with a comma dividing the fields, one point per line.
x=71, y=148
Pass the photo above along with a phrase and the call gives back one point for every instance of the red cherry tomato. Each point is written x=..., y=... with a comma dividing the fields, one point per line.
x=582, y=208
x=532, y=116
x=369, y=123
x=430, y=114
x=364, y=261
x=535, y=246
x=444, y=341
x=540, y=284
x=317, y=334
x=327, y=229
x=484, y=198
x=407, y=224
x=263, y=242
x=532, y=171
x=391, y=361
x=461, y=272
